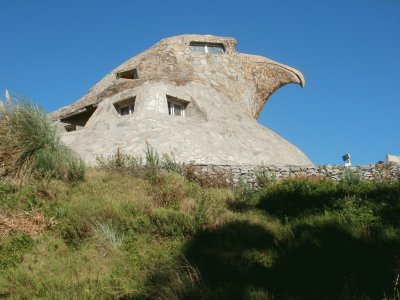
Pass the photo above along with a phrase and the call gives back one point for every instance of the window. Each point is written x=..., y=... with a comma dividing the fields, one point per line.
x=78, y=119
x=126, y=107
x=70, y=127
x=126, y=110
x=128, y=74
x=207, y=48
x=176, y=107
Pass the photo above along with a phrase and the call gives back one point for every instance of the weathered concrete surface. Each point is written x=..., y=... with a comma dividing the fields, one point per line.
x=392, y=158
x=224, y=93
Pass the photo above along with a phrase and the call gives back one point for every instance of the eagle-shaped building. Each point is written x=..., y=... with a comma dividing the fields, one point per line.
x=191, y=95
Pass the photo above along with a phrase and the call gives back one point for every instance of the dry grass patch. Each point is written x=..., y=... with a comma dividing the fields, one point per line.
x=28, y=222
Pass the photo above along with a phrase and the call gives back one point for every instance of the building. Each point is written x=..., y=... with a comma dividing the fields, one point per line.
x=191, y=95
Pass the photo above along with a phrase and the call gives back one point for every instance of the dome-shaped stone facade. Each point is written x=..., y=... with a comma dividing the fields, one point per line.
x=190, y=95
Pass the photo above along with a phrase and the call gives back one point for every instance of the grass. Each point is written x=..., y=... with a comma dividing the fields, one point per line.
x=121, y=235
x=31, y=147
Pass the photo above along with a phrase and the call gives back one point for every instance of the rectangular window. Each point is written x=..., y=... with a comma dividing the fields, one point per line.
x=198, y=49
x=125, y=107
x=128, y=74
x=70, y=127
x=78, y=119
x=212, y=48
x=176, y=107
x=126, y=110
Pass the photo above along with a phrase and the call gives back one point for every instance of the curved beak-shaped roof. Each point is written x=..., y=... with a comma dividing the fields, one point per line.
x=248, y=80
x=268, y=76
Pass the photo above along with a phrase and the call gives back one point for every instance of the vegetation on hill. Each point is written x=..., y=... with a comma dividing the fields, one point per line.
x=153, y=229
x=30, y=146
x=119, y=235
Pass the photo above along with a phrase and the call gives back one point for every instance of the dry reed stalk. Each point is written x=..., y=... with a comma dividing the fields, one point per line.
x=31, y=223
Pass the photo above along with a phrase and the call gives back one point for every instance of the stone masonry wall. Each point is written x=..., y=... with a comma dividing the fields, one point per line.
x=248, y=173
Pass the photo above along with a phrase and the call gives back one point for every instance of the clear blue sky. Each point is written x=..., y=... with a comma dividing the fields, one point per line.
x=348, y=50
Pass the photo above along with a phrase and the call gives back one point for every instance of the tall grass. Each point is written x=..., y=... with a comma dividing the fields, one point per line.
x=152, y=165
x=30, y=145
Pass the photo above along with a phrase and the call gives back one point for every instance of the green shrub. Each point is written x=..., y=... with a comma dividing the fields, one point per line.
x=357, y=210
x=243, y=194
x=24, y=198
x=74, y=233
x=13, y=249
x=385, y=197
x=169, y=164
x=350, y=176
x=31, y=145
x=201, y=211
x=182, y=282
x=171, y=222
x=169, y=190
x=150, y=168
x=297, y=197
x=265, y=178
x=6, y=189
x=120, y=161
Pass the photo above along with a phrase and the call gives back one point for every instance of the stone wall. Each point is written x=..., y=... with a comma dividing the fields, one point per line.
x=249, y=173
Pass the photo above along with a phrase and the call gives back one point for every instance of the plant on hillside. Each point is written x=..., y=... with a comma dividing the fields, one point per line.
x=169, y=163
x=173, y=239
x=242, y=196
x=108, y=233
x=183, y=282
x=350, y=176
x=120, y=161
x=396, y=290
x=212, y=177
x=265, y=178
x=30, y=144
x=150, y=167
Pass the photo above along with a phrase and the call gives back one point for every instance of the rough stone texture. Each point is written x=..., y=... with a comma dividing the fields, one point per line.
x=248, y=173
x=224, y=94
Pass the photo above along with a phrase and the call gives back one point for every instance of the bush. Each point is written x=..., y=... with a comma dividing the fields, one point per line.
x=150, y=168
x=31, y=145
x=13, y=249
x=74, y=233
x=350, y=176
x=170, y=190
x=243, y=195
x=120, y=161
x=298, y=197
x=357, y=210
x=265, y=178
x=171, y=222
x=6, y=189
x=209, y=178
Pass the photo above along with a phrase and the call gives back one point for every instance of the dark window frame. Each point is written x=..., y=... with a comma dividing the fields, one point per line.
x=129, y=103
x=128, y=74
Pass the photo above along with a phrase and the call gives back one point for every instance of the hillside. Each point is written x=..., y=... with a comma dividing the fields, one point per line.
x=152, y=235
x=150, y=228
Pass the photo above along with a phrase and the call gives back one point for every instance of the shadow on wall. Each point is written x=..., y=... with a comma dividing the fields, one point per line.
x=244, y=261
